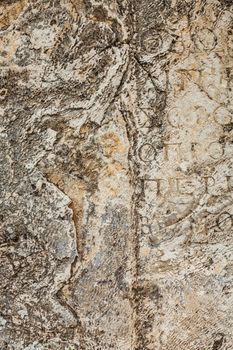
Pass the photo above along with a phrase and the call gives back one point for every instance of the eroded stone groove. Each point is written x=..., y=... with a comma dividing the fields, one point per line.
x=116, y=175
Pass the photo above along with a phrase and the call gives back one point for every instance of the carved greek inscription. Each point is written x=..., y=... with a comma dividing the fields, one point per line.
x=194, y=149
x=211, y=227
x=224, y=221
x=151, y=41
x=229, y=183
x=160, y=184
x=188, y=185
x=222, y=116
x=176, y=119
x=147, y=152
x=173, y=151
x=216, y=149
x=205, y=39
x=208, y=183
x=179, y=186
x=146, y=225
x=184, y=186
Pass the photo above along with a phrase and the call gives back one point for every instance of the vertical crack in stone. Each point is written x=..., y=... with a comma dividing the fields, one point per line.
x=78, y=238
x=139, y=341
x=132, y=137
x=74, y=264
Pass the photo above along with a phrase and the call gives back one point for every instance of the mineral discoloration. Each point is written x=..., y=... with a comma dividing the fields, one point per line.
x=117, y=178
x=10, y=11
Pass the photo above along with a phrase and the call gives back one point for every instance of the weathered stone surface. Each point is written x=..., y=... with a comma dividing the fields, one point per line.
x=116, y=175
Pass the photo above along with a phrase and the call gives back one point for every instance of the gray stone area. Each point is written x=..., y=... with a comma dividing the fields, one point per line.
x=116, y=174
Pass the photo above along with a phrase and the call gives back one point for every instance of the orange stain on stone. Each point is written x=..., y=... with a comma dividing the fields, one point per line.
x=112, y=144
x=10, y=13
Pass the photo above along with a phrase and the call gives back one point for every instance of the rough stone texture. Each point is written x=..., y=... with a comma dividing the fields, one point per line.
x=116, y=174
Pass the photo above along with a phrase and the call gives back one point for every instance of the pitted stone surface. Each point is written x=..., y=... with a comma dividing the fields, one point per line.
x=116, y=214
